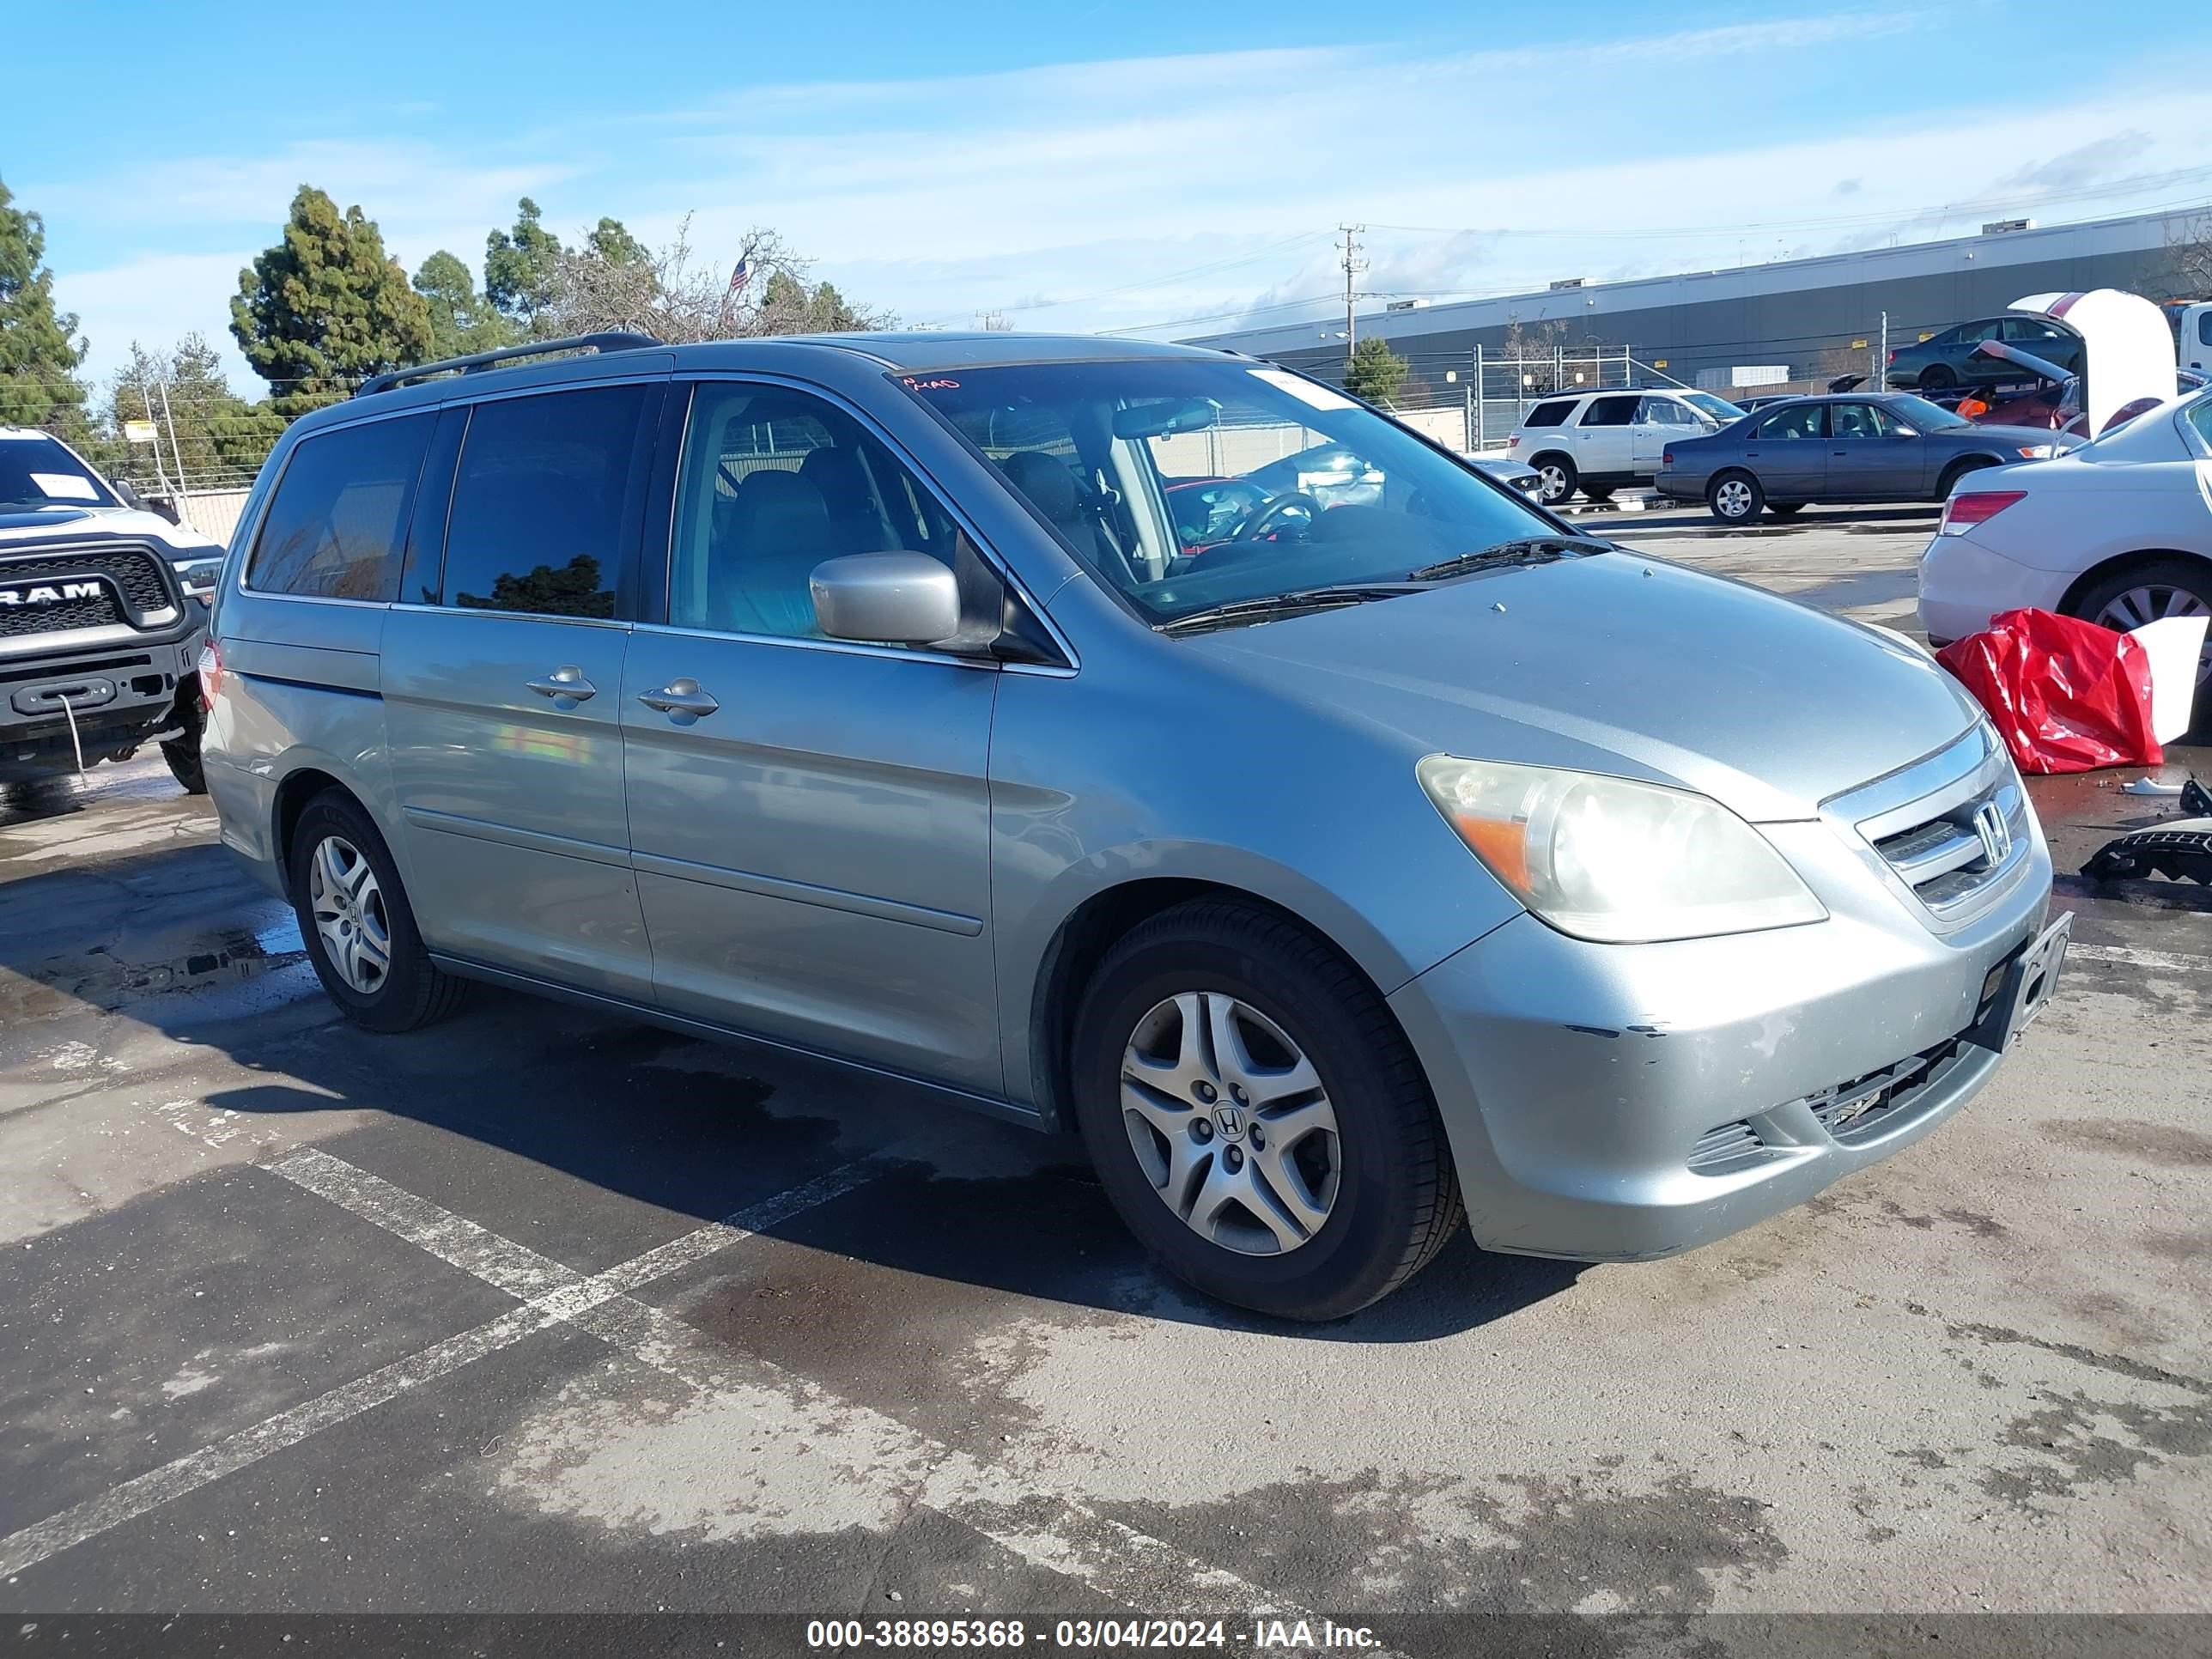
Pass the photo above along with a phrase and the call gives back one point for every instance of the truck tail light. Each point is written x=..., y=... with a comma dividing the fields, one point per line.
x=210, y=672
x=1962, y=512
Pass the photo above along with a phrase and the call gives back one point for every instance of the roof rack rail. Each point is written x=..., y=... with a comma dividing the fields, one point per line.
x=614, y=340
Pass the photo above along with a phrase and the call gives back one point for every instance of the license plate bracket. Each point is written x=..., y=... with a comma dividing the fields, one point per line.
x=2030, y=978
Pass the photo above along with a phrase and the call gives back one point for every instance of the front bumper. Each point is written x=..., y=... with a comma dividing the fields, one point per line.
x=1963, y=583
x=1577, y=1080
x=116, y=698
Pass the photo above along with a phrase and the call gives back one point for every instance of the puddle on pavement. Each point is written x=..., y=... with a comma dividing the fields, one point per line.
x=100, y=979
x=106, y=784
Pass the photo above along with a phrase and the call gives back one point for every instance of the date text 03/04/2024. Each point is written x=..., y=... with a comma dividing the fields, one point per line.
x=1262, y=1635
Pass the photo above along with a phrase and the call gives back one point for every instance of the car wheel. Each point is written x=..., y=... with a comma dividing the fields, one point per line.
x=1734, y=498
x=1599, y=493
x=1937, y=377
x=359, y=929
x=183, y=754
x=1556, y=478
x=1786, y=509
x=1957, y=471
x=2147, y=592
x=1256, y=1116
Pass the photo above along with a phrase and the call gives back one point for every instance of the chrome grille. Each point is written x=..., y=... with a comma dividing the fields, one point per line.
x=1954, y=827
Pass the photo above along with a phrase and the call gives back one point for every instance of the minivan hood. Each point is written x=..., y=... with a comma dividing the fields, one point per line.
x=1621, y=664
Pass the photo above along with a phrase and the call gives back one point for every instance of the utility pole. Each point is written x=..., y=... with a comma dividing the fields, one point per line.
x=1881, y=357
x=1352, y=263
x=176, y=450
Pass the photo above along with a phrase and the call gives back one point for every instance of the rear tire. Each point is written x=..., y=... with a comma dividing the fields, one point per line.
x=1786, y=509
x=1556, y=478
x=1734, y=497
x=1938, y=377
x=359, y=928
x=1215, y=995
x=2143, y=592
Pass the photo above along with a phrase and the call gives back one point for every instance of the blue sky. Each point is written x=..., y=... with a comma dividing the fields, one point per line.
x=1103, y=164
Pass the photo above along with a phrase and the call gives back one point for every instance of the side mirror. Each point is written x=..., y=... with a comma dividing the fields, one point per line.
x=886, y=599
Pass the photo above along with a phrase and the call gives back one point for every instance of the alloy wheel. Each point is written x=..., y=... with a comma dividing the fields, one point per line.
x=1230, y=1124
x=2152, y=602
x=1552, y=482
x=350, y=917
x=1733, y=497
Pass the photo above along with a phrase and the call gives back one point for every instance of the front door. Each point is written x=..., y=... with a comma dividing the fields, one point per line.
x=502, y=691
x=1659, y=421
x=1788, y=451
x=810, y=819
x=1872, y=456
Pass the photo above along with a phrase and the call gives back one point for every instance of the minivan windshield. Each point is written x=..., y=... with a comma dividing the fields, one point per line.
x=37, y=470
x=1187, y=485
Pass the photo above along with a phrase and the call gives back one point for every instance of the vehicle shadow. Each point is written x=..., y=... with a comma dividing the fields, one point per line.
x=594, y=1137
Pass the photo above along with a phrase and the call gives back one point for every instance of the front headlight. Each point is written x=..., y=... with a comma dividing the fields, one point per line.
x=1610, y=860
x=199, y=577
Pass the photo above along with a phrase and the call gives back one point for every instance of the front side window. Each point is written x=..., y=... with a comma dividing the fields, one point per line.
x=37, y=470
x=1669, y=411
x=1719, y=407
x=538, y=514
x=1791, y=422
x=773, y=483
x=1182, y=485
x=337, y=524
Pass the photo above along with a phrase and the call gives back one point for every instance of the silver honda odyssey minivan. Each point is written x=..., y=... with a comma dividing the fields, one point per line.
x=1024, y=717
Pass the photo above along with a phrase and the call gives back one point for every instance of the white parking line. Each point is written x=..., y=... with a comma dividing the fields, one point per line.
x=2163, y=961
x=420, y=1222
x=1049, y=1530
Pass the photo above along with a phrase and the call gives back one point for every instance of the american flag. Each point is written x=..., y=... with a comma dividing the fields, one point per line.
x=738, y=273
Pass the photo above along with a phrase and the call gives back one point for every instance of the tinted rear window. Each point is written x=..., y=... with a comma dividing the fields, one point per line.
x=338, y=521
x=537, y=521
x=1552, y=414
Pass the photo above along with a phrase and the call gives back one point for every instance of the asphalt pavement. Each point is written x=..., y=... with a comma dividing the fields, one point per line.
x=541, y=1311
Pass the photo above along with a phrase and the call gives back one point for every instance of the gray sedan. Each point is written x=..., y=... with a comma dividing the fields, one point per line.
x=1855, y=447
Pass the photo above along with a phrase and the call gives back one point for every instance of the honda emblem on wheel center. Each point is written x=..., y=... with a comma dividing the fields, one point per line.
x=1230, y=1121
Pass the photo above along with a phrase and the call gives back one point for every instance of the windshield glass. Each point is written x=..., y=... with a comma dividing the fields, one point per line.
x=1719, y=407
x=1924, y=417
x=1183, y=485
x=38, y=471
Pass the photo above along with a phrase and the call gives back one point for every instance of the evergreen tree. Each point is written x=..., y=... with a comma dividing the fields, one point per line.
x=1375, y=372
x=327, y=307
x=461, y=321
x=39, y=350
x=522, y=267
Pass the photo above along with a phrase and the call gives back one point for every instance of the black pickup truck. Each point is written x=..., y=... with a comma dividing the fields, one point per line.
x=103, y=613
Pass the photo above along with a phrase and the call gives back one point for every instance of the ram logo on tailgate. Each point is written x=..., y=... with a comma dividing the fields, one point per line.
x=59, y=593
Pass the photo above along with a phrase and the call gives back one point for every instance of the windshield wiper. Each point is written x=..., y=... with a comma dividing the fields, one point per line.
x=1524, y=550
x=1297, y=602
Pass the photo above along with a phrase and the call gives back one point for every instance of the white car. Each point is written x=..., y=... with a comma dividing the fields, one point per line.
x=1596, y=442
x=2118, y=531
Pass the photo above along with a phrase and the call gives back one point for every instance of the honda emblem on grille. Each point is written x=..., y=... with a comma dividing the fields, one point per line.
x=60, y=593
x=1995, y=834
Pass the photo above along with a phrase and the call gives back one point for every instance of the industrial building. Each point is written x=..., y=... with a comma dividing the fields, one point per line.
x=1788, y=320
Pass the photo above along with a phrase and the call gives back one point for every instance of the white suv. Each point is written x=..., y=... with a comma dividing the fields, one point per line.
x=1596, y=442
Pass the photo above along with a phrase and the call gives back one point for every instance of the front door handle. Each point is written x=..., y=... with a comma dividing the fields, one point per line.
x=566, y=681
x=682, y=696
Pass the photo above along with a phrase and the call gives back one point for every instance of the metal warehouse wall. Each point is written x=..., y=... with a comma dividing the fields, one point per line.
x=1794, y=311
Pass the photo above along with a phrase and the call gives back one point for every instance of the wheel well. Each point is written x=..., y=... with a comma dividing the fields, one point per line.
x=292, y=798
x=1544, y=455
x=1963, y=465
x=2124, y=562
x=1097, y=924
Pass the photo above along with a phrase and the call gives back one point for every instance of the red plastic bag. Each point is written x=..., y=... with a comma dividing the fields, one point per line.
x=2069, y=695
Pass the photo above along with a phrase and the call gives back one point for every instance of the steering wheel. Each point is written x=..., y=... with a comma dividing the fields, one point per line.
x=1261, y=523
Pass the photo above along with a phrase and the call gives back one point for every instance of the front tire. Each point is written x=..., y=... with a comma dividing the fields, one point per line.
x=1957, y=471
x=359, y=928
x=1600, y=494
x=1256, y=1116
x=183, y=754
x=1734, y=498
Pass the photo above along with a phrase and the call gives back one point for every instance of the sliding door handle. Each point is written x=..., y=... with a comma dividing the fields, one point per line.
x=682, y=696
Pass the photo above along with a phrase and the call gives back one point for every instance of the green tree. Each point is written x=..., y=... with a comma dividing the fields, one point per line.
x=327, y=308
x=40, y=348
x=522, y=267
x=610, y=240
x=461, y=321
x=207, y=432
x=1375, y=372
